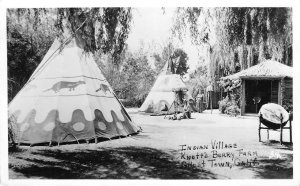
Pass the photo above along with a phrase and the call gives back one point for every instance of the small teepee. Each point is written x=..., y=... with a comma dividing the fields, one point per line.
x=164, y=91
x=68, y=99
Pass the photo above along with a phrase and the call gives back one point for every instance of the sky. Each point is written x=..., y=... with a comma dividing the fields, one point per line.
x=152, y=27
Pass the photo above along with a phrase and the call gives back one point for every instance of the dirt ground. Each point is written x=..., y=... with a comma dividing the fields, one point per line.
x=208, y=146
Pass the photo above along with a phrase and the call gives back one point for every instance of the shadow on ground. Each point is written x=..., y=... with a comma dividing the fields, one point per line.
x=276, y=145
x=275, y=168
x=108, y=163
x=279, y=166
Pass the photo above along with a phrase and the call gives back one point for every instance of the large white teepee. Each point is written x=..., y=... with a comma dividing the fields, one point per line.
x=162, y=93
x=68, y=99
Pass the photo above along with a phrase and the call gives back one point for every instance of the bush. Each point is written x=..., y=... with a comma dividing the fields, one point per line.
x=12, y=135
x=233, y=110
x=131, y=102
x=288, y=105
x=229, y=106
x=223, y=105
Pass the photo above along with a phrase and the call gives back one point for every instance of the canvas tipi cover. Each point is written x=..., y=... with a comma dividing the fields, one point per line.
x=162, y=93
x=68, y=99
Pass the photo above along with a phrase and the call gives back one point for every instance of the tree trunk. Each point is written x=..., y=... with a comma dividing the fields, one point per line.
x=249, y=56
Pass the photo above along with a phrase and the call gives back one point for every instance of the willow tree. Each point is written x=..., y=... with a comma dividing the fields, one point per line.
x=99, y=30
x=29, y=36
x=236, y=37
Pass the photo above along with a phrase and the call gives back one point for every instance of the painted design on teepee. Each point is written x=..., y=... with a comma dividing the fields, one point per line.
x=65, y=84
x=51, y=129
x=44, y=115
x=114, y=128
x=103, y=88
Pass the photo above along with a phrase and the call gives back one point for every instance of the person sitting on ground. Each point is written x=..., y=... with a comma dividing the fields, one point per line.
x=186, y=109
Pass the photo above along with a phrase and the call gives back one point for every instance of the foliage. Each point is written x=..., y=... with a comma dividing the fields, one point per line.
x=223, y=105
x=287, y=105
x=97, y=29
x=161, y=59
x=178, y=57
x=158, y=62
x=100, y=29
x=236, y=38
x=229, y=84
x=249, y=32
x=233, y=110
x=180, y=64
x=198, y=80
x=12, y=136
x=229, y=105
x=133, y=79
x=27, y=43
x=30, y=33
x=138, y=78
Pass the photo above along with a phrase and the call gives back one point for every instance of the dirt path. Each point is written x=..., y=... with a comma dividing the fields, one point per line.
x=209, y=146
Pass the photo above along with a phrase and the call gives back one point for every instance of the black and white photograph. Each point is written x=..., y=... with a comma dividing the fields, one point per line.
x=99, y=92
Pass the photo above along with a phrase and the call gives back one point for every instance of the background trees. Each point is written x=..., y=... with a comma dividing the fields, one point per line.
x=233, y=38
x=132, y=79
x=101, y=31
x=237, y=38
x=29, y=36
x=30, y=33
x=181, y=66
x=178, y=57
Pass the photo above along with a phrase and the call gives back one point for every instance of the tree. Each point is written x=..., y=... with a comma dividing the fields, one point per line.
x=100, y=29
x=180, y=62
x=254, y=34
x=158, y=62
x=169, y=54
x=198, y=80
x=133, y=78
x=137, y=78
x=161, y=59
x=30, y=33
x=27, y=43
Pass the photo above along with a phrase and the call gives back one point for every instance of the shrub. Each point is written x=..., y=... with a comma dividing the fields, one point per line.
x=288, y=106
x=223, y=105
x=229, y=105
x=12, y=135
x=233, y=110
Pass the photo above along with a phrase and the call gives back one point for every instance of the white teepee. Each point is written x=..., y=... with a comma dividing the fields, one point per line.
x=68, y=99
x=162, y=94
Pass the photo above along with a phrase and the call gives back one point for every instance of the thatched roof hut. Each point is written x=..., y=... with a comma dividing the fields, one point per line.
x=266, y=69
x=267, y=82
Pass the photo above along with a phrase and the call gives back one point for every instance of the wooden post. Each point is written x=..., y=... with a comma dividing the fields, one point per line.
x=280, y=91
x=281, y=135
x=271, y=91
x=259, y=128
x=281, y=127
x=243, y=98
x=291, y=133
x=211, y=101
